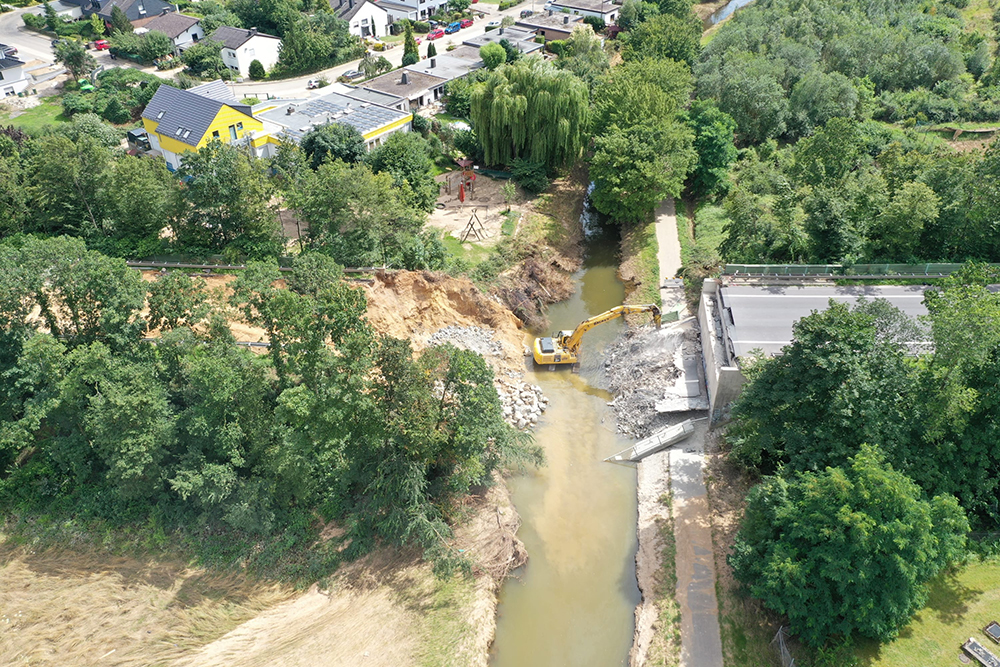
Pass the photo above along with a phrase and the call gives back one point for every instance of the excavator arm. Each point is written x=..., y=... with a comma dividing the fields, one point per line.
x=572, y=342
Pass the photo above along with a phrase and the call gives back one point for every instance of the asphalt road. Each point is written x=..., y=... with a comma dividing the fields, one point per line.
x=30, y=45
x=762, y=316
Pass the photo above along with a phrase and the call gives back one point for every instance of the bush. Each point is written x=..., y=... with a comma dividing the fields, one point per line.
x=465, y=141
x=115, y=112
x=422, y=27
x=532, y=176
x=596, y=23
x=558, y=47
x=257, y=70
x=421, y=124
x=74, y=103
x=34, y=22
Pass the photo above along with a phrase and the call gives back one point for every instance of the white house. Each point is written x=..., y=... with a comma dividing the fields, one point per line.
x=364, y=18
x=241, y=47
x=606, y=10
x=182, y=29
x=13, y=78
x=412, y=9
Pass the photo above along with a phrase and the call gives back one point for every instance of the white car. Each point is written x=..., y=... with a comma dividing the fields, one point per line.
x=492, y=25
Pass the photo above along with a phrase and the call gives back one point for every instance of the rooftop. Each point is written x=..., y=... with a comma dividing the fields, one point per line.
x=9, y=62
x=234, y=38
x=186, y=115
x=346, y=9
x=366, y=95
x=586, y=5
x=445, y=66
x=550, y=19
x=392, y=83
x=524, y=40
x=171, y=24
x=466, y=52
x=761, y=317
x=300, y=116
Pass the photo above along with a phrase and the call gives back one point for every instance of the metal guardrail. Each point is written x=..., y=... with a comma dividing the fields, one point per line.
x=855, y=271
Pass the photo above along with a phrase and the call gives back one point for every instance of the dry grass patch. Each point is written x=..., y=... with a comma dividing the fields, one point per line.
x=78, y=608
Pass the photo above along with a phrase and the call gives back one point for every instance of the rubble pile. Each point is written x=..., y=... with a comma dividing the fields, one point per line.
x=523, y=403
x=639, y=367
x=475, y=339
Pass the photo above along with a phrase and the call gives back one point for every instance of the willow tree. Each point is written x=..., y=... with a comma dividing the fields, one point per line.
x=530, y=110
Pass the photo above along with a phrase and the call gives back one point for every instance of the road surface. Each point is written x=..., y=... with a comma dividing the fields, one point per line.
x=762, y=316
x=30, y=45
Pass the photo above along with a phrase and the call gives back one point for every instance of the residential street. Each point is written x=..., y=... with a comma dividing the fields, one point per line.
x=30, y=45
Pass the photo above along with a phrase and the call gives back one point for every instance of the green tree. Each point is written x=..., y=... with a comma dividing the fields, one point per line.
x=74, y=57
x=333, y=141
x=530, y=110
x=844, y=380
x=120, y=22
x=846, y=551
x=139, y=200
x=226, y=204
x=115, y=113
x=664, y=36
x=493, y=55
x=637, y=91
x=67, y=178
x=714, y=131
x=406, y=156
x=585, y=55
x=411, y=55
x=97, y=25
x=256, y=70
x=155, y=45
x=91, y=126
x=897, y=231
x=431, y=49
x=633, y=170
x=818, y=97
x=205, y=59
x=356, y=216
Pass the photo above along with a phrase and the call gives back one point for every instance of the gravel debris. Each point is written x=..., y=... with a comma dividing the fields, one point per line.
x=639, y=367
x=476, y=339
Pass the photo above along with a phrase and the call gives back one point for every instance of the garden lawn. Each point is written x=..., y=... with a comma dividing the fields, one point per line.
x=48, y=113
x=960, y=606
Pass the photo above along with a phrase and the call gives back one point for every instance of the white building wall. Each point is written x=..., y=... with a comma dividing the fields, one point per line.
x=13, y=81
x=264, y=49
x=424, y=8
x=189, y=37
x=370, y=21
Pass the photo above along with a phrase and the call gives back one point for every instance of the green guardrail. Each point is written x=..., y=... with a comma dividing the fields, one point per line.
x=929, y=269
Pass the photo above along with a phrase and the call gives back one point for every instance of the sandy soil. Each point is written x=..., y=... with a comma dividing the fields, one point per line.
x=486, y=199
x=705, y=9
x=414, y=305
x=385, y=611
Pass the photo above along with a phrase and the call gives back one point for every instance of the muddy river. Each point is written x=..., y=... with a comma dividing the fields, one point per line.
x=572, y=605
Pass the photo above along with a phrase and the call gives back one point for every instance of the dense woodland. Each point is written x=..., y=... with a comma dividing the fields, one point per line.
x=244, y=453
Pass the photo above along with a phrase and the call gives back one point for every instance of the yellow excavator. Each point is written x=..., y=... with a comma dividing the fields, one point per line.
x=563, y=348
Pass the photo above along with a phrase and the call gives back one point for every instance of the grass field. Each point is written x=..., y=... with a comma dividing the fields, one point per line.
x=48, y=113
x=961, y=603
x=640, y=267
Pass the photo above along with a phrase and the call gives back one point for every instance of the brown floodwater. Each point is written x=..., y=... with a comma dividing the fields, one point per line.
x=573, y=603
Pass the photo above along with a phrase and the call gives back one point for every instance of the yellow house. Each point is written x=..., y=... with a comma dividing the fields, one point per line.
x=179, y=121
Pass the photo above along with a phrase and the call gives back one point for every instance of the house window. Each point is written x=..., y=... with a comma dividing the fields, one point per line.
x=187, y=133
x=160, y=115
x=232, y=133
x=215, y=135
x=364, y=21
x=194, y=36
x=178, y=132
x=239, y=126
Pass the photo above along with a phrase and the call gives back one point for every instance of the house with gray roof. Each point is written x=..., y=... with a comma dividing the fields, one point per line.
x=133, y=9
x=364, y=18
x=183, y=30
x=444, y=66
x=13, y=78
x=417, y=87
x=551, y=25
x=605, y=10
x=240, y=47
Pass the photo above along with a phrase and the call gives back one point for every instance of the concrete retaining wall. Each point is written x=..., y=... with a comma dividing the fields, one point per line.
x=724, y=380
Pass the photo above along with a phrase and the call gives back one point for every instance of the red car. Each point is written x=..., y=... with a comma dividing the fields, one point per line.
x=466, y=23
x=435, y=34
x=102, y=45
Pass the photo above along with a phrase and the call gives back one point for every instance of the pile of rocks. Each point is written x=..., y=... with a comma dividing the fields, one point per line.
x=475, y=339
x=523, y=403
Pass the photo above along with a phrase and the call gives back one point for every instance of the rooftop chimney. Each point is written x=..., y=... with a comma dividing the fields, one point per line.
x=565, y=20
x=405, y=80
x=289, y=111
x=433, y=62
x=253, y=31
x=501, y=31
x=164, y=12
x=350, y=4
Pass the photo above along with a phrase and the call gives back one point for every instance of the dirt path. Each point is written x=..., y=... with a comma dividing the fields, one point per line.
x=669, y=254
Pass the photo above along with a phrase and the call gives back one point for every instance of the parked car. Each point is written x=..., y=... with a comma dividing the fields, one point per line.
x=312, y=84
x=453, y=27
x=492, y=25
x=102, y=45
x=353, y=74
x=8, y=50
x=525, y=13
x=466, y=23
x=433, y=24
x=435, y=34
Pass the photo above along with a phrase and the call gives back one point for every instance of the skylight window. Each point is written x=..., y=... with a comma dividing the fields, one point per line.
x=178, y=132
x=187, y=133
x=160, y=115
